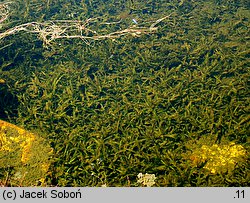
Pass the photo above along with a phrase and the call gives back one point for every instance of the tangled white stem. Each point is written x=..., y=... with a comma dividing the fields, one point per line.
x=51, y=30
x=4, y=11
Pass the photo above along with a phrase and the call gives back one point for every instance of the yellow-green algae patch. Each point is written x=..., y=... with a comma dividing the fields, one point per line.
x=24, y=156
x=216, y=158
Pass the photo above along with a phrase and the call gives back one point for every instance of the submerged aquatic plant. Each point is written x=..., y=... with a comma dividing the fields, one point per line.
x=126, y=104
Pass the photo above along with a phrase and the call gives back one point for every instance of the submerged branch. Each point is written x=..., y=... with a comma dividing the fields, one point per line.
x=49, y=31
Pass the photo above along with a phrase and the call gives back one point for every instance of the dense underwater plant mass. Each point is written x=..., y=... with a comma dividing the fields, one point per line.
x=163, y=103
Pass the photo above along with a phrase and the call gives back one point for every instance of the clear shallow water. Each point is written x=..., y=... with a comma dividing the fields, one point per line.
x=137, y=98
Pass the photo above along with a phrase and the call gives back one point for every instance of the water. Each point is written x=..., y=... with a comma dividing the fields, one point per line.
x=132, y=83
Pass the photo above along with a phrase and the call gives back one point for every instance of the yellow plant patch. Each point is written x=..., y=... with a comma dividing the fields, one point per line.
x=25, y=153
x=216, y=157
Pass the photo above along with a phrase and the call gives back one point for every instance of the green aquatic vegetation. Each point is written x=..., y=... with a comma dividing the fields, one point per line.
x=116, y=109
